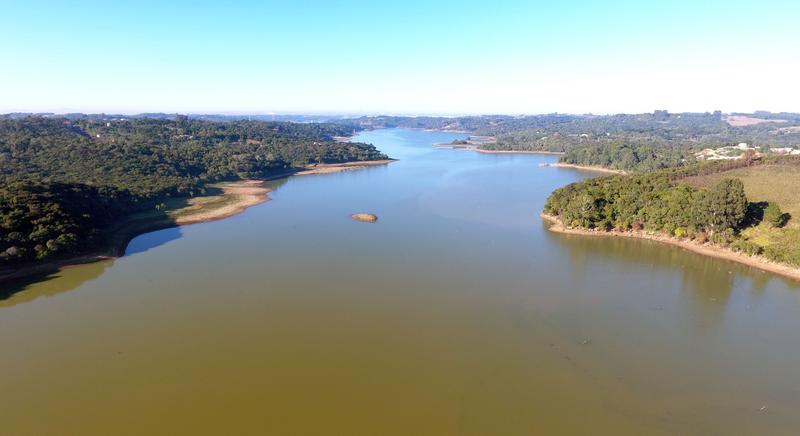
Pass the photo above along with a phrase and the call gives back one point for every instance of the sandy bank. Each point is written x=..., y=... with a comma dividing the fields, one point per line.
x=551, y=153
x=338, y=167
x=450, y=146
x=439, y=130
x=585, y=167
x=704, y=249
x=236, y=197
x=476, y=147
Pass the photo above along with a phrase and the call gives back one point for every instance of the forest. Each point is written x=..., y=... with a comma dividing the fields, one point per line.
x=628, y=156
x=64, y=181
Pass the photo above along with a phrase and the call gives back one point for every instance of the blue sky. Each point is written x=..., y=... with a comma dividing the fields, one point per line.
x=412, y=57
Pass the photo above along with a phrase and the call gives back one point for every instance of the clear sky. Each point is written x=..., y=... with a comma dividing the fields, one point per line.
x=413, y=57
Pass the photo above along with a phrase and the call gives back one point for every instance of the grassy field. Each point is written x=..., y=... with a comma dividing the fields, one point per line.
x=773, y=182
x=779, y=183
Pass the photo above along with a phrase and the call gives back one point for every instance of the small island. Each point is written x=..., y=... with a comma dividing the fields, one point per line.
x=364, y=217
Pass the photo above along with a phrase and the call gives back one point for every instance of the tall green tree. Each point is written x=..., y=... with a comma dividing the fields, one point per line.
x=724, y=205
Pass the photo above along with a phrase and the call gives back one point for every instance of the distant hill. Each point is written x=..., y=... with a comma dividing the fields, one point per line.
x=548, y=132
x=678, y=133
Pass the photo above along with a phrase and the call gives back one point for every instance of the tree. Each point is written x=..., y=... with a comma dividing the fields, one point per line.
x=749, y=156
x=773, y=215
x=724, y=206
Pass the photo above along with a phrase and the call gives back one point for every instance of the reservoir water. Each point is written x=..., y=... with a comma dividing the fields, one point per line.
x=456, y=313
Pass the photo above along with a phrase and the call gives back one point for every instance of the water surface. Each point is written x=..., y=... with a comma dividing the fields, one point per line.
x=456, y=313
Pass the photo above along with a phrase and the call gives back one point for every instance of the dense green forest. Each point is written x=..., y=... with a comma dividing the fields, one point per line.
x=628, y=157
x=661, y=202
x=63, y=182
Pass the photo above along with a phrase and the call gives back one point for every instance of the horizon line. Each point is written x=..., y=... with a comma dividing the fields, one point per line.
x=378, y=114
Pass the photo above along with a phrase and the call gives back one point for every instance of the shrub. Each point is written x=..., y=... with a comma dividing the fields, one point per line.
x=746, y=247
x=786, y=249
x=701, y=237
x=723, y=238
x=773, y=215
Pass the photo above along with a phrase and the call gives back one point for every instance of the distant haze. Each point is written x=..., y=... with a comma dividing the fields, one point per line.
x=409, y=57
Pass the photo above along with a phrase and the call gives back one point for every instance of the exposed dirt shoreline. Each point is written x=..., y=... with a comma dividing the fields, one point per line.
x=585, y=167
x=476, y=148
x=233, y=199
x=549, y=153
x=704, y=249
x=239, y=195
x=339, y=167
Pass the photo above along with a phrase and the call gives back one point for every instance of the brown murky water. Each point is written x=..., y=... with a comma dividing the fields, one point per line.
x=456, y=313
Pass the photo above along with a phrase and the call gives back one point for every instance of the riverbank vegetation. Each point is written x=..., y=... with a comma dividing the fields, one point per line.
x=64, y=183
x=740, y=205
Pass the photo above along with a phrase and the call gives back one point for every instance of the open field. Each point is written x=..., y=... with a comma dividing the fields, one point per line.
x=790, y=129
x=779, y=183
x=776, y=183
x=743, y=120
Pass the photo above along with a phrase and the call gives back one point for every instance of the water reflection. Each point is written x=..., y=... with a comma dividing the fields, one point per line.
x=56, y=280
x=147, y=241
x=704, y=284
x=45, y=285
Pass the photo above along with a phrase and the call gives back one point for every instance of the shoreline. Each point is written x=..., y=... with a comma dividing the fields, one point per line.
x=246, y=194
x=339, y=167
x=438, y=130
x=235, y=198
x=476, y=148
x=761, y=263
x=549, y=153
x=585, y=168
